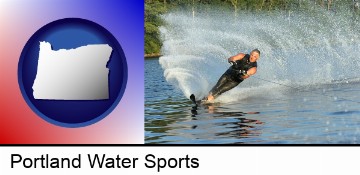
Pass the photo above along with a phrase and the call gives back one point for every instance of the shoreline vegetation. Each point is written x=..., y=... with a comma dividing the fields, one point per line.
x=153, y=55
x=155, y=8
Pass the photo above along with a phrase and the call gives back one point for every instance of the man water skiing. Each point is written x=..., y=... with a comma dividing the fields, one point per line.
x=243, y=66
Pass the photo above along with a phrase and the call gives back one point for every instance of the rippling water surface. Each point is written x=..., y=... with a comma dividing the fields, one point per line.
x=316, y=114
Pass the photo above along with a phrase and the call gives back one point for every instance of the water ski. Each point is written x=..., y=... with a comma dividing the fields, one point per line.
x=196, y=103
x=192, y=98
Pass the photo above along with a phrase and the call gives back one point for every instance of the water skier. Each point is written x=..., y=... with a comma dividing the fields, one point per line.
x=243, y=66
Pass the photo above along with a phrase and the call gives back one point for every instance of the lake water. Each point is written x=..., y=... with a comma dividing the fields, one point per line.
x=323, y=114
x=306, y=89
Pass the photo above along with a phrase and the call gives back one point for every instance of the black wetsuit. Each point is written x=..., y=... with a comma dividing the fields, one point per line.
x=232, y=77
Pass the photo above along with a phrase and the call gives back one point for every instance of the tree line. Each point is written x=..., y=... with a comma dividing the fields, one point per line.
x=154, y=9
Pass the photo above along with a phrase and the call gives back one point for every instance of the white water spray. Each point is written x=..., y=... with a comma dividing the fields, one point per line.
x=302, y=49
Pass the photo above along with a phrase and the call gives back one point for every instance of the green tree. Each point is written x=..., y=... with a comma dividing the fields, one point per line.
x=153, y=9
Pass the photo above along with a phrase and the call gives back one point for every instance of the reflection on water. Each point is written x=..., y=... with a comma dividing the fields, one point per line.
x=199, y=124
x=240, y=127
